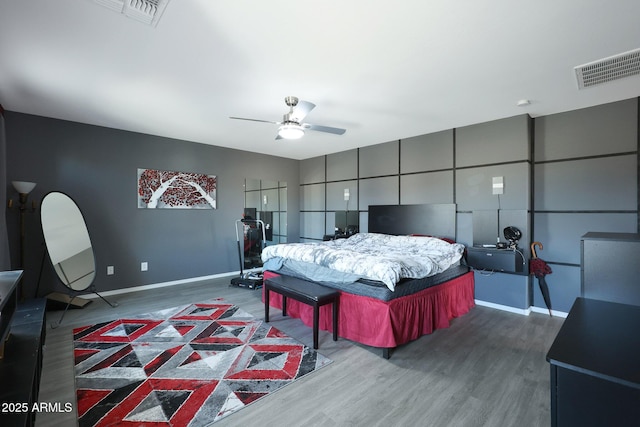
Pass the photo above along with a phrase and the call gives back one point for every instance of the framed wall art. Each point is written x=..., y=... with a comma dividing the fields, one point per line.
x=176, y=190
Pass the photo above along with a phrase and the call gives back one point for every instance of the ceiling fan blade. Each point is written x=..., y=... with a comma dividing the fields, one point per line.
x=301, y=110
x=328, y=129
x=256, y=120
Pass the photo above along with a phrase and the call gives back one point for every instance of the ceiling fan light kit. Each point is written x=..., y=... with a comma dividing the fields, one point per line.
x=290, y=131
x=291, y=126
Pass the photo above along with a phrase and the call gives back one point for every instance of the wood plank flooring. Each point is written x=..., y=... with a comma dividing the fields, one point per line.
x=487, y=369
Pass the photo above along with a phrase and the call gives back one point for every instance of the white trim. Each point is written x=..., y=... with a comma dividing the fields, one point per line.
x=545, y=311
x=160, y=285
x=523, y=311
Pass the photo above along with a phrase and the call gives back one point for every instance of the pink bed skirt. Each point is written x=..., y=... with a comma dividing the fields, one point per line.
x=388, y=324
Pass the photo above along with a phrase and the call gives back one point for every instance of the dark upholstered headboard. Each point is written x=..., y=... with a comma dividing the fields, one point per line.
x=432, y=219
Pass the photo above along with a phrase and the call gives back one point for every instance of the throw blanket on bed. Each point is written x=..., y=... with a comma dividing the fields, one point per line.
x=375, y=256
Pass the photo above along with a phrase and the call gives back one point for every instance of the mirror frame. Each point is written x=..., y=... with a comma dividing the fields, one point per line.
x=77, y=271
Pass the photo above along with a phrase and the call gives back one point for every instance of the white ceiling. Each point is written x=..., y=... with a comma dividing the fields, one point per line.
x=383, y=70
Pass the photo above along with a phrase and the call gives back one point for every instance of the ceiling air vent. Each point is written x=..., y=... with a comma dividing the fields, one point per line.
x=608, y=69
x=145, y=11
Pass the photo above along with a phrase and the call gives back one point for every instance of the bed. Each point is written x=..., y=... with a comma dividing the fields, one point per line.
x=416, y=286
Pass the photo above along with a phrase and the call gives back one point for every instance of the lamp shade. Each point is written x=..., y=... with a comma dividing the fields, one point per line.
x=23, y=187
x=290, y=131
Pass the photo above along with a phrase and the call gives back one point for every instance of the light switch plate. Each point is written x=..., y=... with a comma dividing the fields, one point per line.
x=497, y=185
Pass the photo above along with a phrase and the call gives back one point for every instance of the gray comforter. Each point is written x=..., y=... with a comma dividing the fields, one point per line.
x=373, y=256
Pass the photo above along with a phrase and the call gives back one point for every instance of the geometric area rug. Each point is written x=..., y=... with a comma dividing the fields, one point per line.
x=184, y=366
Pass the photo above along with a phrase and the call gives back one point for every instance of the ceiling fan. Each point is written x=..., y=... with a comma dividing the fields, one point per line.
x=291, y=126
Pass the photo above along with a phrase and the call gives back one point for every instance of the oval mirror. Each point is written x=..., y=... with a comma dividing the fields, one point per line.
x=68, y=244
x=67, y=240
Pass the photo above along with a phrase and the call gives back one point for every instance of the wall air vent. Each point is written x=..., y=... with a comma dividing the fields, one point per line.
x=145, y=11
x=608, y=69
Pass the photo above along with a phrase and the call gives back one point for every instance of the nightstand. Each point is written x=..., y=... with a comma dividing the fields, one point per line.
x=492, y=259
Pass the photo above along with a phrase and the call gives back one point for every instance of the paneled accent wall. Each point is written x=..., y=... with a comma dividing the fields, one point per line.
x=564, y=175
x=452, y=166
x=500, y=148
x=585, y=179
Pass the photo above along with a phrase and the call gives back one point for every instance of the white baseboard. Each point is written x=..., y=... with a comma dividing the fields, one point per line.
x=160, y=285
x=556, y=313
x=523, y=311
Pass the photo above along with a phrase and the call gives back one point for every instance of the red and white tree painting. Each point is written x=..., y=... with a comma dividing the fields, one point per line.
x=166, y=189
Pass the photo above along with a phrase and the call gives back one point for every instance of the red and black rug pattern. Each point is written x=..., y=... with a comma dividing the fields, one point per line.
x=185, y=366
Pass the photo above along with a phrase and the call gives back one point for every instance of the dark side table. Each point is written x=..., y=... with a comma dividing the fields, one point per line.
x=595, y=366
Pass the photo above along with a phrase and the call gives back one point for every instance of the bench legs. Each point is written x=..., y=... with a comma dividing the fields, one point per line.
x=266, y=305
x=335, y=319
x=316, y=316
x=316, y=320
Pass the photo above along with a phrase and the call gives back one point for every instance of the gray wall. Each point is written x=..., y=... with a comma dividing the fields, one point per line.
x=453, y=166
x=565, y=174
x=585, y=179
x=5, y=262
x=97, y=167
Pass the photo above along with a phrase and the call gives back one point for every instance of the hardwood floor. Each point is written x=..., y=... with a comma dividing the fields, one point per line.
x=487, y=369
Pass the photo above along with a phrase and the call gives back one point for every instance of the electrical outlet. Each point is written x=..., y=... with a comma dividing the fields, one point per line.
x=346, y=194
x=110, y=270
x=144, y=266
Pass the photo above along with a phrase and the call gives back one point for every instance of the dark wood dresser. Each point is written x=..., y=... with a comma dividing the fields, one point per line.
x=610, y=268
x=595, y=366
x=21, y=362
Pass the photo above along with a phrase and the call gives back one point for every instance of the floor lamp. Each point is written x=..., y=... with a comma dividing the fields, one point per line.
x=23, y=188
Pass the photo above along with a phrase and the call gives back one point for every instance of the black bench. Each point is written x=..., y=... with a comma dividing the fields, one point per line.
x=306, y=292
